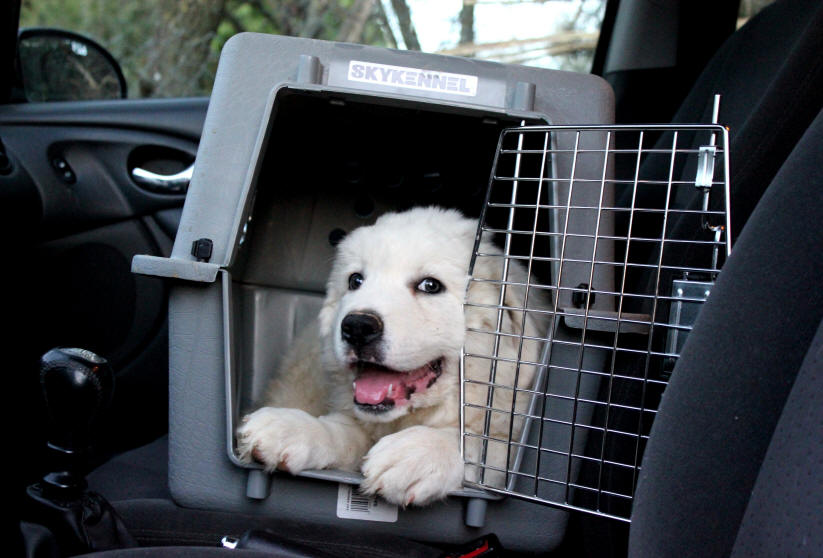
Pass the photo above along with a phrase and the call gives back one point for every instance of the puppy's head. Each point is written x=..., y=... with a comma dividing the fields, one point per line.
x=393, y=310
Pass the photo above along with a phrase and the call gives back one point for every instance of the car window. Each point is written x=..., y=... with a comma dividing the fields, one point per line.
x=170, y=49
x=748, y=8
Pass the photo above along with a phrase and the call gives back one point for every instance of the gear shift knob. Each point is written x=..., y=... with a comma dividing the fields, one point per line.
x=77, y=386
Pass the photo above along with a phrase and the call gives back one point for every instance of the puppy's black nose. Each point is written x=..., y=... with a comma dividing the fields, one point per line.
x=361, y=328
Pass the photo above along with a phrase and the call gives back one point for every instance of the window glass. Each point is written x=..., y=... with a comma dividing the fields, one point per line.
x=749, y=8
x=558, y=34
x=170, y=48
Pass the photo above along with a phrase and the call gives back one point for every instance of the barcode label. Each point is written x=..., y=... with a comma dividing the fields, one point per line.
x=353, y=505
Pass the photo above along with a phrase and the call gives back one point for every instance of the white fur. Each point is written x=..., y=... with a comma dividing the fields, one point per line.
x=411, y=453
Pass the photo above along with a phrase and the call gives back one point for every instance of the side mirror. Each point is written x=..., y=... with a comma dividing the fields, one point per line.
x=57, y=65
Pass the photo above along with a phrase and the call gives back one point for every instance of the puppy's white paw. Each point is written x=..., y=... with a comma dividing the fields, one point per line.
x=287, y=439
x=417, y=465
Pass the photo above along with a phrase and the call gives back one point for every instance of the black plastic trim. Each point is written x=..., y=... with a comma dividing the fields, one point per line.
x=182, y=118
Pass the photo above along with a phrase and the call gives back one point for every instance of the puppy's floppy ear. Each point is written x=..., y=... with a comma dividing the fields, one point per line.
x=326, y=317
x=513, y=291
x=513, y=300
x=334, y=292
x=516, y=302
x=328, y=311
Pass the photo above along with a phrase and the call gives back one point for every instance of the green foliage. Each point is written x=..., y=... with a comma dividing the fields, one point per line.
x=115, y=25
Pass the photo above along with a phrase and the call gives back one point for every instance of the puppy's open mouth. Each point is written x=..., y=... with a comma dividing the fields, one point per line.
x=378, y=389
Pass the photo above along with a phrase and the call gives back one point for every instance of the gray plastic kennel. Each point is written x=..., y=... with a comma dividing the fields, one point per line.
x=305, y=139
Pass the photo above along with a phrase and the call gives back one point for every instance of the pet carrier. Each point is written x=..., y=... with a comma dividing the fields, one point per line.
x=303, y=141
x=569, y=430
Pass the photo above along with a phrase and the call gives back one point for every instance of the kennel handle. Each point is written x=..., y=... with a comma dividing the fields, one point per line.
x=163, y=183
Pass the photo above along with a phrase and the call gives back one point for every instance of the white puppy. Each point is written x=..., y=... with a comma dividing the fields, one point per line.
x=374, y=386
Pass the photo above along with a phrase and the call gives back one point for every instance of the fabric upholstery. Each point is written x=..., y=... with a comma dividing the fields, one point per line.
x=770, y=78
x=728, y=389
x=785, y=512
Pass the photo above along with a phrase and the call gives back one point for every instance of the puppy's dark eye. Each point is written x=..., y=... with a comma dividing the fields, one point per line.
x=430, y=285
x=355, y=280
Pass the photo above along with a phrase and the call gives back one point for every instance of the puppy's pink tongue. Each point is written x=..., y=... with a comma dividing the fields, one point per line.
x=372, y=387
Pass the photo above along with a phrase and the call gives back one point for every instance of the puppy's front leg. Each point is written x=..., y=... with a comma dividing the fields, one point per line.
x=293, y=440
x=414, y=466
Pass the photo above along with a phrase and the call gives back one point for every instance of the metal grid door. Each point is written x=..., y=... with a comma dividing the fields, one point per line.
x=595, y=250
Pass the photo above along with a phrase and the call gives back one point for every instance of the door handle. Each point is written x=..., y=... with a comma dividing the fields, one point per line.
x=163, y=183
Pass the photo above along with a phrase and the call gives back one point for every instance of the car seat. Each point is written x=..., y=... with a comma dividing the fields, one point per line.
x=733, y=460
x=770, y=77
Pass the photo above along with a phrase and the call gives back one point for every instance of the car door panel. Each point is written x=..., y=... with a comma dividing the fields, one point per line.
x=78, y=218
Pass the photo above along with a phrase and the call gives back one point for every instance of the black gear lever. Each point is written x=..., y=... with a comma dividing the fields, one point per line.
x=78, y=386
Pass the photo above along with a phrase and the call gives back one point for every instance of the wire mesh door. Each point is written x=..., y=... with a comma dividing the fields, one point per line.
x=595, y=250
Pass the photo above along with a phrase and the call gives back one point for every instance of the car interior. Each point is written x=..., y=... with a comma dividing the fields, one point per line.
x=143, y=468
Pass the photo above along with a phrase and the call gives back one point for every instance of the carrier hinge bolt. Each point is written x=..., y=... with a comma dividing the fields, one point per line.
x=201, y=249
x=579, y=299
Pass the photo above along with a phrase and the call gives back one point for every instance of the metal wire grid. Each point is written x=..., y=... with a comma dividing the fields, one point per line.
x=607, y=241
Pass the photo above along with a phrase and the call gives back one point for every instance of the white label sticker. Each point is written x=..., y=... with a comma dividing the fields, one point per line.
x=412, y=78
x=353, y=505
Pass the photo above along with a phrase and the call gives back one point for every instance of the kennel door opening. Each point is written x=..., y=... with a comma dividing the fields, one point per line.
x=611, y=237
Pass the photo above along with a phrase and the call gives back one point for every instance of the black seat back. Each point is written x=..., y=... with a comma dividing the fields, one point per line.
x=729, y=388
x=769, y=75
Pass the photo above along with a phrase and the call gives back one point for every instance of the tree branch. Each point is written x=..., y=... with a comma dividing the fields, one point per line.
x=352, y=29
x=467, y=23
x=314, y=18
x=557, y=44
x=384, y=25
x=401, y=9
